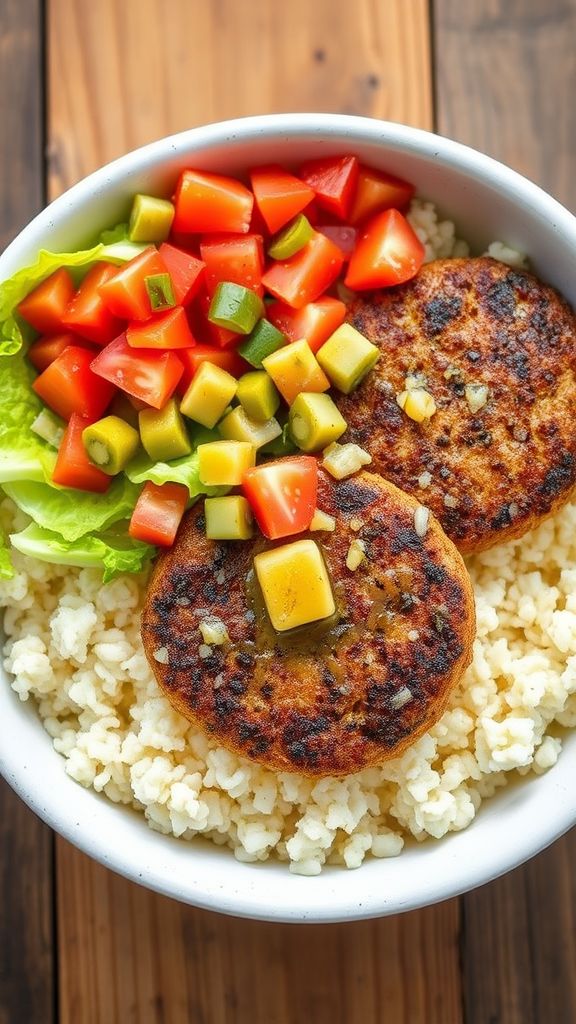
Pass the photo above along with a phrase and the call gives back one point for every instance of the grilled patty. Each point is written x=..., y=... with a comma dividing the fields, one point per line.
x=338, y=695
x=461, y=326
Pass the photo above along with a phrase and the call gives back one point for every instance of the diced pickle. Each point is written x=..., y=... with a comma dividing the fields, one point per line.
x=228, y=518
x=315, y=421
x=160, y=292
x=293, y=369
x=209, y=395
x=263, y=340
x=110, y=444
x=150, y=219
x=235, y=307
x=347, y=357
x=223, y=463
x=295, y=584
x=291, y=239
x=163, y=432
x=237, y=426
x=258, y=396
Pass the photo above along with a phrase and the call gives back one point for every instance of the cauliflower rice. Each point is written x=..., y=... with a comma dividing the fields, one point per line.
x=74, y=645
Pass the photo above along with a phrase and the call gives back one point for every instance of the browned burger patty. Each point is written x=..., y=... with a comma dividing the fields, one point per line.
x=336, y=696
x=490, y=474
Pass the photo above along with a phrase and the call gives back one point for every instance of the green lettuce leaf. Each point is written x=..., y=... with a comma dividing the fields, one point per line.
x=114, y=553
x=23, y=454
x=6, y=570
x=74, y=514
x=179, y=471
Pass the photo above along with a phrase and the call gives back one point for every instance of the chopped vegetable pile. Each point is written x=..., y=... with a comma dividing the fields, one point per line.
x=192, y=351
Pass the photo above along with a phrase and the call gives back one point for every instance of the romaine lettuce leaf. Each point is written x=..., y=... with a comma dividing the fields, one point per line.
x=115, y=553
x=23, y=454
x=179, y=471
x=6, y=570
x=74, y=514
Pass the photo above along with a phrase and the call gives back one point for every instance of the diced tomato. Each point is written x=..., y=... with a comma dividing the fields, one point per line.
x=305, y=276
x=279, y=195
x=186, y=272
x=69, y=386
x=211, y=202
x=44, y=307
x=258, y=225
x=165, y=330
x=73, y=467
x=343, y=235
x=227, y=358
x=236, y=258
x=377, y=191
x=334, y=182
x=87, y=314
x=125, y=293
x=388, y=253
x=143, y=373
x=282, y=495
x=315, y=322
x=205, y=331
x=158, y=512
x=44, y=351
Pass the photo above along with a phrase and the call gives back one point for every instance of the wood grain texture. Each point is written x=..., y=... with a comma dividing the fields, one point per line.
x=26, y=846
x=504, y=72
x=129, y=957
x=125, y=955
x=122, y=74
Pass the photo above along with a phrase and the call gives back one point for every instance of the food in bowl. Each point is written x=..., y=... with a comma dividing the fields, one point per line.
x=108, y=714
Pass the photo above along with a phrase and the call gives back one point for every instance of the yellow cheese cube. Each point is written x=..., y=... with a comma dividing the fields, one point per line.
x=209, y=394
x=294, y=368
x=223, y=463
x=295, y=584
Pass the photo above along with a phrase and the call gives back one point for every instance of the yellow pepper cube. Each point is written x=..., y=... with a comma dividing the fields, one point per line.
x=209, y=395
x=223, y=463
x=228, y=518
x=347, y=357
x=294, y=368
x=295, y=584
x=150, y=219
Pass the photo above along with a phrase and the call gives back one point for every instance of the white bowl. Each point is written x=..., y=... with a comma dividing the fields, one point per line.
x=488, y=201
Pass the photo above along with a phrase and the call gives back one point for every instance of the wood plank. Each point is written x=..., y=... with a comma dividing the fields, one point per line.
x=125, y=954
x=27, y=969
x=502, y=67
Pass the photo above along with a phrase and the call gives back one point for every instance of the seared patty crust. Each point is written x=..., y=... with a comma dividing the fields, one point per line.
x=463, y=325
x=333, y=697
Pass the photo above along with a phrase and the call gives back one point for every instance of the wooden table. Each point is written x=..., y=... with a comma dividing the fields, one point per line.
x=82, y=81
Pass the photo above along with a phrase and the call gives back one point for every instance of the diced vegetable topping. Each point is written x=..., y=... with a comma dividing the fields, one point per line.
x=87, y=314
x=334, y=182
x=315, y=322
x=291, y=239
x=160, y=292
x=235, y=258
x=44, y=351
x=45, y=306
x=388, y=253
x=347, y=357
x=110, y=444
x=417, y=403
x=315, y=422
x=342, y=460
x=69, y=385
x=279, y=195
x=294, y=368
x=263, y=340
x=150, y=219
x=237, y=426
x=295, y=584
x=192, y=358
x=322, y=521
x=163, y=432
x=304, y=277
x=210, y=393
x=235, y=307
x=228, y=518
x=186, y=272
x=125, y=294
x=49, y=427
x=73, y=467
x=258, y=396
x=158, y=512
x=224, y=463
x=145, y=374
x=167, y=330
x=377, y=191
x=283, y=495
x=211, y=202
